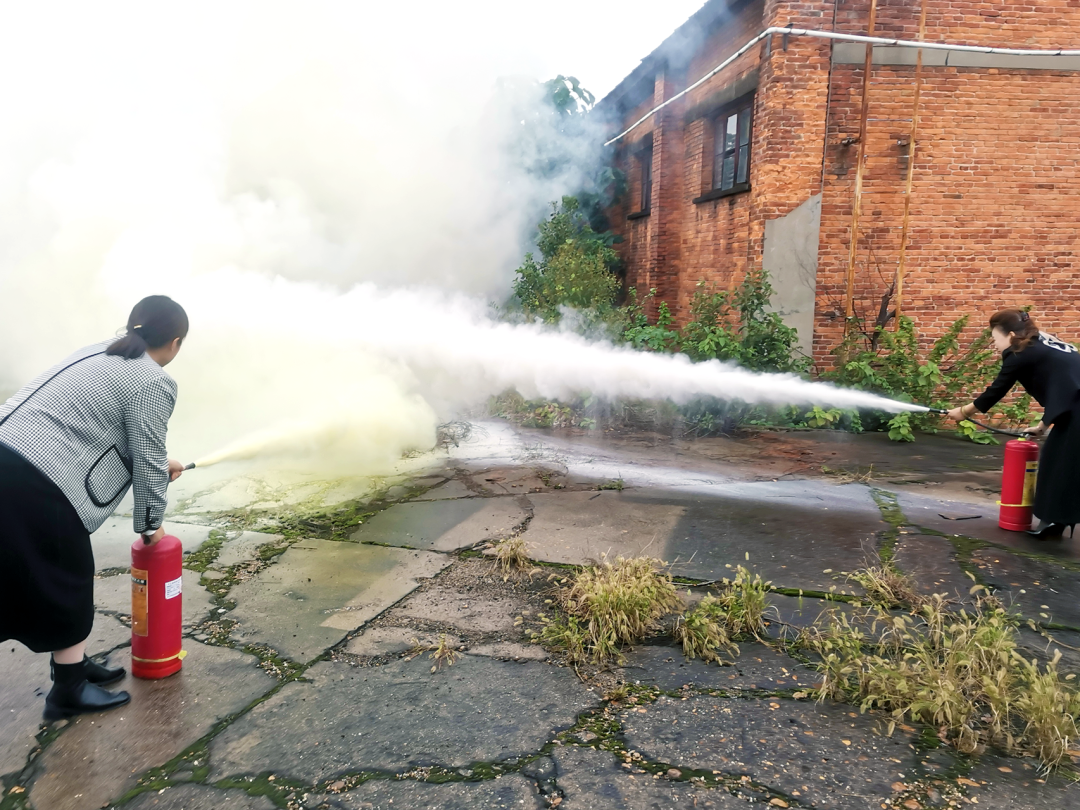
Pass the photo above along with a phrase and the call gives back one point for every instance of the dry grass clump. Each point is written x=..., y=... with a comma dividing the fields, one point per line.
x=607, y=606
x=442, y=651
x=885, y=585
x=958, y=671
x=512, y=557
x=706, y=630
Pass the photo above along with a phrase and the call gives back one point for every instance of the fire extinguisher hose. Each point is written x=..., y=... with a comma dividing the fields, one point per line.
x=990, y=428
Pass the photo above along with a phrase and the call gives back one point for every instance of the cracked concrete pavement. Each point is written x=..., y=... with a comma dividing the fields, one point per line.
x=313, y=610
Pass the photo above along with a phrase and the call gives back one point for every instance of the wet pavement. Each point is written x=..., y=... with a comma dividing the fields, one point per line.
x=312, y=610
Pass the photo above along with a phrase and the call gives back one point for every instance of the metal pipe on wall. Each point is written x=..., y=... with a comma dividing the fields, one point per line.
x=900, y=267
x=856, y=202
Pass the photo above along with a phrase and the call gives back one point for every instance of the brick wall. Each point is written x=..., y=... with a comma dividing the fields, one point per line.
x=997, y=171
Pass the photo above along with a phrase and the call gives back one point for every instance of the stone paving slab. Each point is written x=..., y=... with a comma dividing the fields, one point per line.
x=451, y=490
x=320, y=590
x=443, y=525
x=24, y=682
x=400, y=716
x=931, y=562
x=243, y=548
x=112, y=542
x=592, y=779
x=380, y=641
x=757, y=666
x=466, y=612
x=199, y=797
x=99, y=757
x=510, y=650
x=114, y=594
x=1017, y=784
x=826, y=755
x=792, y=531
x=510, y=791
x=1042, y=590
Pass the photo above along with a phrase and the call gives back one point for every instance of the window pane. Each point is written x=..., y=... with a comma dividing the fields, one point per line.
x=744, y=127
x=646, y=179
x=729, y=132
x=744, y=163
x=729, y=173
x=718, y=141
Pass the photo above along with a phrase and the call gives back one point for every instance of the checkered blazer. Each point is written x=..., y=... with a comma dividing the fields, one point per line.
x=95, y=424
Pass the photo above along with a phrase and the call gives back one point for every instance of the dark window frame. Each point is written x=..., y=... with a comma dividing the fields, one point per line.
x=644, y=157
x=740, y=153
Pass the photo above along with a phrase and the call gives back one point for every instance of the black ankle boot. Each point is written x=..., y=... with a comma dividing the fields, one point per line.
x=72, y=694
x=95, y=672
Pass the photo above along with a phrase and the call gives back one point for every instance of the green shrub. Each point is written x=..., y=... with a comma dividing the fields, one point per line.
x=738, y=327
x=576, y=270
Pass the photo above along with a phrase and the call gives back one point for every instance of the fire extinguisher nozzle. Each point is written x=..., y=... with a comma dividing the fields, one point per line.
x=190, y=466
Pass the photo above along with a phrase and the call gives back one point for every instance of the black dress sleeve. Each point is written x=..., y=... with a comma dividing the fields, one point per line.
x=1006, y=379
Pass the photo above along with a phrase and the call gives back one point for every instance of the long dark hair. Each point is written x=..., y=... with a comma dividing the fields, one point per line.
x=155, y=321
x=1019, y=322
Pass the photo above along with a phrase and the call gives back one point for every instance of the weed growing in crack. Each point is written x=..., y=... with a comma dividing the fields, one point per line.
x=706, y=630
x=616, y=484
x=512, y=556
x=607, y=606
x=887, y=586
x=443, y=653
x=958, y=671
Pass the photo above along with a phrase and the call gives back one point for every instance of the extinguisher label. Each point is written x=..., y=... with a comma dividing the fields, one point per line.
x=139, y=602
x=1030, y=474
x=173, y=588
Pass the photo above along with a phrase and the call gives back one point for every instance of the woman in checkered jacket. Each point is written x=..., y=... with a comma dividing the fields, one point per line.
x=72, y=443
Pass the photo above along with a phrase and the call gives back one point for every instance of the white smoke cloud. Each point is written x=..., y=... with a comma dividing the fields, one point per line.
x=325, y=186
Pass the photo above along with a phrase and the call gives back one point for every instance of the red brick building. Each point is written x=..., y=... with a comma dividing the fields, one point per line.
x=757, y=166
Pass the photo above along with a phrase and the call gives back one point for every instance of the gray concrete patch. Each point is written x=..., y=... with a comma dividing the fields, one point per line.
x=1042, y=590
x=1017, y=784
x=112, y=542
x=399, y=716
x=511, y=651
x=464, y=611
x=320, y=590
x=594, y=780
x=99, y=757
x=443, y=525
x=243, y=548
x=451, y=490
x=199, y=797
x=510, y=791
x=380, y=641
x=977, y=519
x=757, y=666
x=791, y=531
x=931, y=562
x=826, y=755
x=517, y=480
x=114, y=594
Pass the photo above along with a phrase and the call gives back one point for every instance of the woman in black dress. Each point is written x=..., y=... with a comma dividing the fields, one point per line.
x=72, y=443
x=1049, y=370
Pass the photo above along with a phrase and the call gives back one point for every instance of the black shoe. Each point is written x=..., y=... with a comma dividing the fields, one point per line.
x=72, y=694
x=95, y=672
x=1051, y=531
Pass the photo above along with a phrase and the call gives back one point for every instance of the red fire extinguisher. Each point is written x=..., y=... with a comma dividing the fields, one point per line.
x=156, y=608
x=1018, y=484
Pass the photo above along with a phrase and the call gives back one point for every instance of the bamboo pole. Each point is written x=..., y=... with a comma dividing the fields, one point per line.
x=910, y=171
x=857, y=200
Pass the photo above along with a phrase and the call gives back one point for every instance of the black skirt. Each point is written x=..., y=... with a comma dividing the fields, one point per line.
x=46, y=561
x=1057, y=489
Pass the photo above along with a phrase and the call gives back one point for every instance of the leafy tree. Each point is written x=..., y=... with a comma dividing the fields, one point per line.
x=575, y=269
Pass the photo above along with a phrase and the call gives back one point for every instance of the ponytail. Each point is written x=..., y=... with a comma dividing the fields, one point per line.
x=154, y=322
